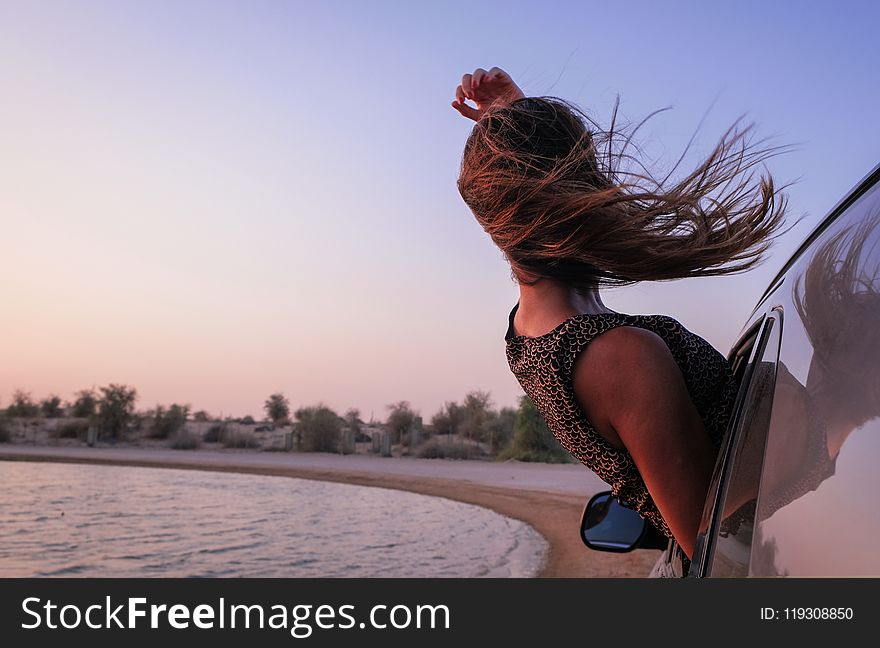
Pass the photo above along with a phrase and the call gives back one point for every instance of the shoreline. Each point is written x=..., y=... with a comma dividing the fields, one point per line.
x=549, y=499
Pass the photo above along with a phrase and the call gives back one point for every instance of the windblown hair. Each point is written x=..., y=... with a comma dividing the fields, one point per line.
x=838, y=300
x=564, y=200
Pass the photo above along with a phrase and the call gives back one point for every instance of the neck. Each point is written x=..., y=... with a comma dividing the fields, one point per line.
x=547, y=295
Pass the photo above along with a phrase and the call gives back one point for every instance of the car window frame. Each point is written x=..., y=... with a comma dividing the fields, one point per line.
x=758, y=334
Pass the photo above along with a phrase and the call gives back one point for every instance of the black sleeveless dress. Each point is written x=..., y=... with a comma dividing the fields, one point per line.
x=543, y=366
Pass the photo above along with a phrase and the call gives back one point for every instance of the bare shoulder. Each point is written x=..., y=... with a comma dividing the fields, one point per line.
x=612, y=355
x=622, y=371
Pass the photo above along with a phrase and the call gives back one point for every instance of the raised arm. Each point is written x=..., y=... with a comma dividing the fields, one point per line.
x=484, y=88
x=630, y=387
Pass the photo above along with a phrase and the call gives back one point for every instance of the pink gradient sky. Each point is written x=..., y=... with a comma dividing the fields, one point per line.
x=215, y=201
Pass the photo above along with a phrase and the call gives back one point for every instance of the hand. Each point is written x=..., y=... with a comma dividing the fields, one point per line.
x=485, y=89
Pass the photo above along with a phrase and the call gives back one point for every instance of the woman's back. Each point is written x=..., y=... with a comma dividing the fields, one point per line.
x=544, y=365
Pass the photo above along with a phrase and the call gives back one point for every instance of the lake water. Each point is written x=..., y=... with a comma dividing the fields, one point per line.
x=120, y=521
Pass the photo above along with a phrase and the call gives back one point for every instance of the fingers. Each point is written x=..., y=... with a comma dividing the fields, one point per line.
x=496, y=74
x=466, y=86
x=470, y=83
x=465, y=110
x=460, y=105
x=477, y=78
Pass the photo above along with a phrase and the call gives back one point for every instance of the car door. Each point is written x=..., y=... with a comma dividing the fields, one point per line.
x=817, y=513
x=793, y=490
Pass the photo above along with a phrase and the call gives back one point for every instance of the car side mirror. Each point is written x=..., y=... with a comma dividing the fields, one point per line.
x=608, y=526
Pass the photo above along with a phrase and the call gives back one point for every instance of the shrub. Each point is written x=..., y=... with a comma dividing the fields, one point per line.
x=501, y=427
x=86, y=404
x=277, y=408
x=401, y=419
x=22, y=405
x=167, y=423
x=532, y=439
x=319, y=428
x=185, y=440
x=449, y=419
x=353, y=421
x=240, y=439
x=116, y=408
x=476, y=414
x=5, y=436
x=215, y=433
x=76, y=429
x=141, y=421
x=51, y=406
x=438, y=448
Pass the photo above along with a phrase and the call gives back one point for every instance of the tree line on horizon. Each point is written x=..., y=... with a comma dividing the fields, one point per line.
x=519, y=433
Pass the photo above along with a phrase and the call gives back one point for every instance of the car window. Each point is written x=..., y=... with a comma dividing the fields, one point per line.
x=736, y=505
x=817, y=511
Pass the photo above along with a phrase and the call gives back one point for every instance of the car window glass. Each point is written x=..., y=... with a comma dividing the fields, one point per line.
x=817, y=512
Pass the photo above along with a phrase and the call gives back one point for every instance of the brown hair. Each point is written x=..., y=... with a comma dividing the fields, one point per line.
x=838, y=301
x=551, y=190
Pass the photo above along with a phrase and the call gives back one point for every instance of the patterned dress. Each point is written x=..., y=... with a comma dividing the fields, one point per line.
x=543, y=366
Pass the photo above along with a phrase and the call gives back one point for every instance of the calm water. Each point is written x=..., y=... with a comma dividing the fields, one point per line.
x=82, y=520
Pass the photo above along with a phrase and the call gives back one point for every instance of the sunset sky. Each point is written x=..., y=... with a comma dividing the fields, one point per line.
x=212, y=201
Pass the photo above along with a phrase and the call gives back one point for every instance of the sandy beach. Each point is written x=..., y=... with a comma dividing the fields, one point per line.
x=549, y=497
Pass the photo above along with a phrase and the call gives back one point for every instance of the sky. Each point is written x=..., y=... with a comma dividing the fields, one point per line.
x=214, y=201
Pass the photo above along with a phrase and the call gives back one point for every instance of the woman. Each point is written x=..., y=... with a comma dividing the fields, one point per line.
x=639, y=399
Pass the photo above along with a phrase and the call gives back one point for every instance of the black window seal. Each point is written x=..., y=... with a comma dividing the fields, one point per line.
x=767, y=323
